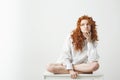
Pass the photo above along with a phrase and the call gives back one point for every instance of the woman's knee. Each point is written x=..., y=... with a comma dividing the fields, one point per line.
x=94, y=66
x=51, y=68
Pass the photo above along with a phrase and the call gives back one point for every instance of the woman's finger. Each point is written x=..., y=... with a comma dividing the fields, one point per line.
x=75, y=76
x=72, y=76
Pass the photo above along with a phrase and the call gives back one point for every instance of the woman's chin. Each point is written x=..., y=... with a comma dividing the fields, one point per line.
x=85, y=31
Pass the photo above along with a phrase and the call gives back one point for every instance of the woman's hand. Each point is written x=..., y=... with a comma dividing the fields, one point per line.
x=87, y=35
x=73, y=74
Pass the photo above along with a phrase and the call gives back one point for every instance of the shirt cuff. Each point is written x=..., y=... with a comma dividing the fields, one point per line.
x=69, y=66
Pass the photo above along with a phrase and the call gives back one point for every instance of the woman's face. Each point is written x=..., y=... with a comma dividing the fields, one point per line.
x=85, y=26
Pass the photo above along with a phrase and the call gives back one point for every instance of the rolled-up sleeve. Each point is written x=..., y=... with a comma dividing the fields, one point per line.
x=92, y=52
x=67, y=58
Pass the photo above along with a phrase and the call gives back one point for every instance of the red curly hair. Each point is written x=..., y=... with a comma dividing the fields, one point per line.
x=77, y=36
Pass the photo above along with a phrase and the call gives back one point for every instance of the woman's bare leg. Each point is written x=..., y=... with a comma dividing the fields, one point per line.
x=86, y=67
x=57, y=69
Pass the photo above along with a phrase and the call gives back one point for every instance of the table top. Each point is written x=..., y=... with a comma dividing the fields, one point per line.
x=60, y=75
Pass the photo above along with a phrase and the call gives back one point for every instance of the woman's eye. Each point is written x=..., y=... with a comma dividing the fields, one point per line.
x=88, y=24
x=82, y=24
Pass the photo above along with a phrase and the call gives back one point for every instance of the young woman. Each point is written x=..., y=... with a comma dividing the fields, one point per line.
x=79, y=52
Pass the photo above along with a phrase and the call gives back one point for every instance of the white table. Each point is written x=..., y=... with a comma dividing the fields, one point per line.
x=51, y=76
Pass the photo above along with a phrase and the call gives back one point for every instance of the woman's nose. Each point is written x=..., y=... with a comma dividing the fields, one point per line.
x=86, y=26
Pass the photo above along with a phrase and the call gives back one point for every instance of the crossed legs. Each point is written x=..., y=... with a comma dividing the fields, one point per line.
x=80, y=68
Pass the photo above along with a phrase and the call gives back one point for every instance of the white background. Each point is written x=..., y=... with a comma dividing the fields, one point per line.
x=32, y=33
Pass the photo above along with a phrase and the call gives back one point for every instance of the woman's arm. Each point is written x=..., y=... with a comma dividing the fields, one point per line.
x=67, y=58
x=92, y=63
x=86, y=67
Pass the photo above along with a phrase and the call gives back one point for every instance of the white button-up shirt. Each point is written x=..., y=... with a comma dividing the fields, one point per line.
x=70, y=56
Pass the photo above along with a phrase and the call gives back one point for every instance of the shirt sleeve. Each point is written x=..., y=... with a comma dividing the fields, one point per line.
x=92, y=52
x=67, y=58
